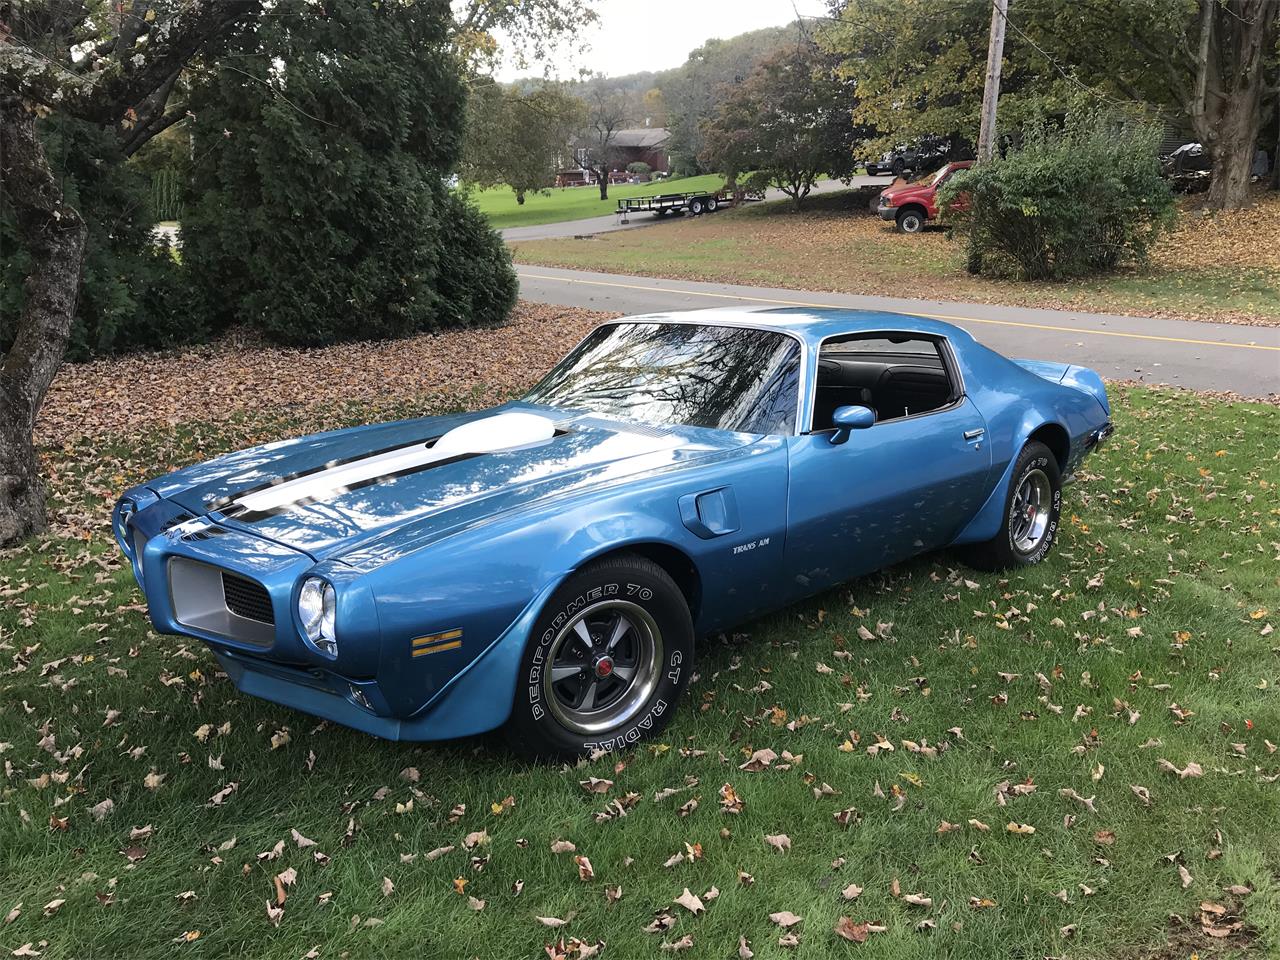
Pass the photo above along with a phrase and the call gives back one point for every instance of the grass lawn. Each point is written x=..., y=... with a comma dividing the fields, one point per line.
x=147, y=809
x=576, y=203
x=1224, y=268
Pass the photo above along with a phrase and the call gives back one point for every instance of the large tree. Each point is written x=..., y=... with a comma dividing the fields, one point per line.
x=789, y=123
x=608, y=110
x=918, y=68
x=112, y=65
x=692, y=92
x=1213, y=62
x=517, y=137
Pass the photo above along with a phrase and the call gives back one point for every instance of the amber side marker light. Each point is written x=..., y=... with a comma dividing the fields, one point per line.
x=437, y=642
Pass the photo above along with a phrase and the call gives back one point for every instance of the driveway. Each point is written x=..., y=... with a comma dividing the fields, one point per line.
x=1202, y=356
x=609, y=221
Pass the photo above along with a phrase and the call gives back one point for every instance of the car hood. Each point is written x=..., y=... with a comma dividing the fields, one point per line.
x=896, y=196
x=331, y=494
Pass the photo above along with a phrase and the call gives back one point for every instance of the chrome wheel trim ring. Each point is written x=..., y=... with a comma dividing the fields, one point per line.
x=623, y=695
x=1032, y=508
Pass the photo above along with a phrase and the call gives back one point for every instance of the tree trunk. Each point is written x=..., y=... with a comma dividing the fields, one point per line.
x=1240, y=116
x=603, y=176
x=54, y=234
x=1275, y=154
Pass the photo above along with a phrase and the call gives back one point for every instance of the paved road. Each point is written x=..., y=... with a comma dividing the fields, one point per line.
x=609, y=221
x=1203, y=356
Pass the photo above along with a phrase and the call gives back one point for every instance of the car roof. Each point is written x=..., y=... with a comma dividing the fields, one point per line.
x=811, y=324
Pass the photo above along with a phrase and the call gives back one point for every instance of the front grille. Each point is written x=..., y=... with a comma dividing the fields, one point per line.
x=246, y=598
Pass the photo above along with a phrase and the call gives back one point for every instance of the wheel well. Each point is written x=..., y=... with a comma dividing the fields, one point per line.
x=914, y=207
x=675, y=562
x=1055, y=438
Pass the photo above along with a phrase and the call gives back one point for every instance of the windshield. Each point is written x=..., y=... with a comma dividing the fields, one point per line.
x=729, y=378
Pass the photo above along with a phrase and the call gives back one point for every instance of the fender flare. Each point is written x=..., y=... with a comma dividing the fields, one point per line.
x=986, y=522
x=480, y=697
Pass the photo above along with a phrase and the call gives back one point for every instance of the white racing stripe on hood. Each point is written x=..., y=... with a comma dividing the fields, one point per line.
x=490, y=434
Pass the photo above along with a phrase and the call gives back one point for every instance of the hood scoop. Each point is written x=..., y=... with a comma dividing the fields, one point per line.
x=503, y=431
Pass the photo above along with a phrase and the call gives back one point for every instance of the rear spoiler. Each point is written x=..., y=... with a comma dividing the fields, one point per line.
x=1070, y=375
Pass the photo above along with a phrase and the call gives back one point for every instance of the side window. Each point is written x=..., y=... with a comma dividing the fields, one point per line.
x=896, y=375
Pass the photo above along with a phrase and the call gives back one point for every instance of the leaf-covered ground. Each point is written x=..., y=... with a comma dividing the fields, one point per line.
x=1223, y=268
x=1074, y=761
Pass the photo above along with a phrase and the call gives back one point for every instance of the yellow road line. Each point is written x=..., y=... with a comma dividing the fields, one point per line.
x=931, y=316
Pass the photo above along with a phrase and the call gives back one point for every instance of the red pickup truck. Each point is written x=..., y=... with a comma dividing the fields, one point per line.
x=913, y=205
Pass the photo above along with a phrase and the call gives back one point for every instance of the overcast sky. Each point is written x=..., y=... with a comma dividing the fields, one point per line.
x=635, y=35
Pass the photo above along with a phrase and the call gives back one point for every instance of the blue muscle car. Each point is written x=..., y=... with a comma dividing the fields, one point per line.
x=546, y=565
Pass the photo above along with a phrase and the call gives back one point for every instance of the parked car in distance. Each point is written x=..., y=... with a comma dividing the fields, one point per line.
x=547, y=566
x=928, y=153
x=1187, y=168
x=915, y=204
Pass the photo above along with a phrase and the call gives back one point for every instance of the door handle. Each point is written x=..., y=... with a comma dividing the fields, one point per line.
x=974, y=434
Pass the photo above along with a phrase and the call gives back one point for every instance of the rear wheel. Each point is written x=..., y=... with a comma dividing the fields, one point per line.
x=606, y=664
x=695, y=206
x=1032, y=509
x=712, y=203
x=898, y=168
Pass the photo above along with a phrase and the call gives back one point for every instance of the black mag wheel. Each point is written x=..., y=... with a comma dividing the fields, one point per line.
x=606, y=663
x=1032, y=510
x=602, y=666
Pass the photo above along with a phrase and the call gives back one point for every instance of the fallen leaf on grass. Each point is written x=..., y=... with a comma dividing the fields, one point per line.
x=690, y=902
x=785, y=919
x=1192, y=769
x=684, y=943
x=779, y=841
x=759, y=760
x=585, y=870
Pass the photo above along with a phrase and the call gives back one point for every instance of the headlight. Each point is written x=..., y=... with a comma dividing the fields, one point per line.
x=317, y=607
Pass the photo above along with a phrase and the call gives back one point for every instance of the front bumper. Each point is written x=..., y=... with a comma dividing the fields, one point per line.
x=887, y=213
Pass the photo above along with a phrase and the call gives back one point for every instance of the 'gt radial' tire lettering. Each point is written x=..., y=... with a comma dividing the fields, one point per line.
x=608, y=657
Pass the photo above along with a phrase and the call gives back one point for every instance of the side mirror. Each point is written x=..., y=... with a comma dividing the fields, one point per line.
x=851, y=418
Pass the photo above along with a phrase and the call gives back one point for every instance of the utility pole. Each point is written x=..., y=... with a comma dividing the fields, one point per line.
x=991, y=92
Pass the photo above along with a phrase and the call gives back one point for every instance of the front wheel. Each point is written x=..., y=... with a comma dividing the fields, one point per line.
x=1032, y=509
x=910, y=221
x=607, y=661
x=695, y=206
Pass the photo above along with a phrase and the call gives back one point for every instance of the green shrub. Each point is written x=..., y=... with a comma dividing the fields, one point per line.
x=478, y=284
x=1068, y=203
x=322, y=213
x=639, y=168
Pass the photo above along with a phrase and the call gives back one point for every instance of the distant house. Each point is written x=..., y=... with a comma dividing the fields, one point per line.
x=638, y=145
x=643, y=145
